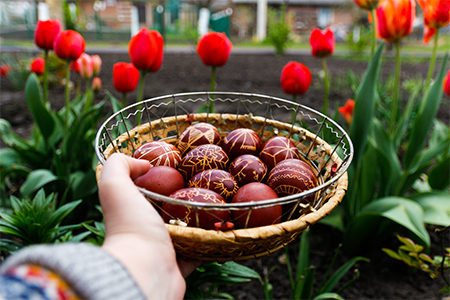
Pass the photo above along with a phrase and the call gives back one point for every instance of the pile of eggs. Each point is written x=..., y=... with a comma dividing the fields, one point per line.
x=203, y=167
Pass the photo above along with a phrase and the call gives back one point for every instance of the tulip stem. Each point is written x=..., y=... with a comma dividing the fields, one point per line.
x=374, y=31
x=45, y=75
x=67, y=97
x=140, y=95
x=294, y=99
x=78, y=90
x=213, y=88
x=326, y=88
x=394, y=107
x=124, y=99
x=433, y=58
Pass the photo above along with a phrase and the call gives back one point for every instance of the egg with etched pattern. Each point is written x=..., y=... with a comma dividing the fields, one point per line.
x=241, y=141
x=196, y=135
x=277, y=149
x=248, y=168
x=219, y=181
x=159, y=153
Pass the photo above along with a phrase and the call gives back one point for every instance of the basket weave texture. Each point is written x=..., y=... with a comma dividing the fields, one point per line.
x=239, y=244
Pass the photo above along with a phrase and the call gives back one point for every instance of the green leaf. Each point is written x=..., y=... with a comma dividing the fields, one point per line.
x=371, y=222
x=36, y=180
x=425, y=117
x=364, y=109
x=304, y=285
x=233, y=269
x=37, y=107
x=391, y=253
x=83, y=184
x=439, y=178
x=409, y=245
x=436, y=207
x=62, y=212
x=328, y=296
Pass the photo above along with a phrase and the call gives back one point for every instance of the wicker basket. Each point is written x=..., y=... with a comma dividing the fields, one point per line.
x=263, y=114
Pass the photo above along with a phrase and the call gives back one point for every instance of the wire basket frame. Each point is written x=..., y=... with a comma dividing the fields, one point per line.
x=322, y=143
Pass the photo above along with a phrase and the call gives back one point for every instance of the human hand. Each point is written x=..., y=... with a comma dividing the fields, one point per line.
x=136, y=234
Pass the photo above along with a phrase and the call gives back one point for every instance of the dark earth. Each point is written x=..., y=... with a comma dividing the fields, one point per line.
x=247, y=71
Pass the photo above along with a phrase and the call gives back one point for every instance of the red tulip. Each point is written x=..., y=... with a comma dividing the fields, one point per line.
x=125, y=77
x=367, y=4
x=69, y=45
x=447, y=83
x=37, y=66
x=395, y=19
x=4, y=70
x=96, y=64
x=295, y=78
x=46, y=32
x=214, y=48
x=85, y=66
x=322, y=43
x=74, y=67
x=436, y=15
x=96, y=85
x=146, y=50
x=347, y=111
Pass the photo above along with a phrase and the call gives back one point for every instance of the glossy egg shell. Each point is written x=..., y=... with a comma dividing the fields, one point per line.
x=248, y=168
x=204, y=157
x=292, y=176
x=219, y=181
x=206, y=218
x=242, y=141
x=196, y=135
x=256, y=191
x=159, y=153
x=277, y=149
x=162, y=180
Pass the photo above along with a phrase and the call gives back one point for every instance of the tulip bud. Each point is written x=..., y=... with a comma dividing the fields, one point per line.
x=322, y=43
x=395, y=19
x=4, y=70
x=347, y=111
x=69, y=45
x=96, y=85
x=37, y=66
x=214, y=48
x=125, y=77
x=85, y=66
x=367, y=4
x=447, y=83
x=146, y=50
x=295, y=78
x=436, y=14
x=46, y=32
x=96, y=64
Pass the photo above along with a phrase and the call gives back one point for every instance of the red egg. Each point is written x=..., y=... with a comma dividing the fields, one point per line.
x=219, y=181
x=196, y=135
x=162, y=180
x=195, y=218
x=204, y=157
x=248, y=168
x=277, y=149
x=256, y=191
x=159, y=153
x=241, y=141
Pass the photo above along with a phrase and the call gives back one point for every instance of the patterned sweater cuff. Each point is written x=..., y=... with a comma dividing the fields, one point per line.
x=91, y=272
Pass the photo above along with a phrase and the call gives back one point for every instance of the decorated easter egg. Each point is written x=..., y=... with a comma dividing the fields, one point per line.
x=219, y=181
x=163, y=180
x=256, y=191
x=248, y=168
x=202, y=218
x=196, y=135
x=159, y=153
x=204, y=157
x=277, y=149
x=242, y=141
x=292, y=176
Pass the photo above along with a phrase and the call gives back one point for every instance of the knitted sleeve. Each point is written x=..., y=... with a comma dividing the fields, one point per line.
x=89, y=271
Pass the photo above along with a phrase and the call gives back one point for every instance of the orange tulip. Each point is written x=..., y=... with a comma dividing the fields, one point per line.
x=395, y=19
x=37, y=65
x=96, y=64
x=347, y=111
x=96, y=85
x=146, y=50
x=447, y=83
x=368, y=4
x=69, y=45
x=295, y=78
x=322, y=43
x=436, y=14
x=214, y=48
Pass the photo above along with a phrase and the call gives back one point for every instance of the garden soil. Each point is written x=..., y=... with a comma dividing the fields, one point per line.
x=182, y=71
